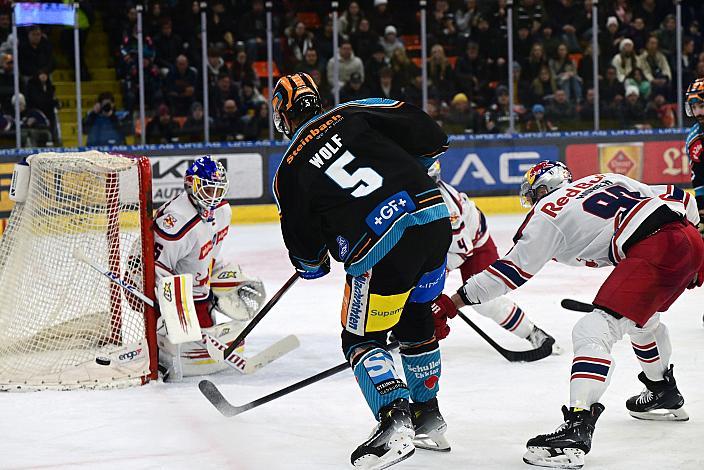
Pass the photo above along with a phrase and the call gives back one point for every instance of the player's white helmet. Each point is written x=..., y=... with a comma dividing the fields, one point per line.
x=206, y=184
x=434, y=171
x=542, y=179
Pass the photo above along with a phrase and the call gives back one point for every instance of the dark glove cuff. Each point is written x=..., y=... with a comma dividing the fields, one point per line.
x=463, y=296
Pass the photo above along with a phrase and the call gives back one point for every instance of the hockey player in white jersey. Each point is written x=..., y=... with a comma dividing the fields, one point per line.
x=472, y=249
x=189, y=233
x=649, y=234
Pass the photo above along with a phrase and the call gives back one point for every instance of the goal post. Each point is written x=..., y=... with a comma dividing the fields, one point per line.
x=63, y=326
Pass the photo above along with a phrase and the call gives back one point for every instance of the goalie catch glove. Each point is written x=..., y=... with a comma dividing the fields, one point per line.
x=237, y=295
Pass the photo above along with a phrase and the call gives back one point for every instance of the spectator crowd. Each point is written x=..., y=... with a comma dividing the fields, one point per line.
x=379, y=56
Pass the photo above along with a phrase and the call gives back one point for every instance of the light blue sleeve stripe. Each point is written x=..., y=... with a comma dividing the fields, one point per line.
x=394, y=234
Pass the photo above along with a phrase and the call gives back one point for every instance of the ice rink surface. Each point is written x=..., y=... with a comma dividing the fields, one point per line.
x=492, y=406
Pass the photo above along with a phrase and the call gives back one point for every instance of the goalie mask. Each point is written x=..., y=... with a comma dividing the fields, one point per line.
x=295, y=98
x=542, y=179
x=206, y=184
x=694, y=96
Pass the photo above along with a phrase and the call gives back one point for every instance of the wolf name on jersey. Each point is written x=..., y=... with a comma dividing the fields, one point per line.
x=590, y=222
x=185, y=243
x=468, y=225
x=695, y=151
x=354, y=178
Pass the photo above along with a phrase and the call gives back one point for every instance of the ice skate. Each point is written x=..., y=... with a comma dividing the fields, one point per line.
x=659, y=401
x=567, y=446
x=390, y=442
x=430, y=426
x=538, y=338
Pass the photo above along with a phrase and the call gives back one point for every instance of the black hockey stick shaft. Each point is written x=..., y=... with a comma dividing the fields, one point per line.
x=512, y=356
x=213, y=395
x=577, y=306
x=262, y=313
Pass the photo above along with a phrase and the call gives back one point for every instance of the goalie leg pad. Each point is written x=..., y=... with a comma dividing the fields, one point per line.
x=175, y=294
x=192, y=358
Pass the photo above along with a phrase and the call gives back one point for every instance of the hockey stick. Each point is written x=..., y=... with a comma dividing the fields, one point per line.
x=114, y=277
x=252, y=364
x=265, y=309
x=234, y=360
x=577, y=306
x=530, y=355
x=214, y=396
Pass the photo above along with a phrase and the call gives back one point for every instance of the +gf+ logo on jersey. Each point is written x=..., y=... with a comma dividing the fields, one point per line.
x=387, y=211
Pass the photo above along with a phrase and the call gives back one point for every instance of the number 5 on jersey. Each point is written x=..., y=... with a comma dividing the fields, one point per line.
x=365, y=180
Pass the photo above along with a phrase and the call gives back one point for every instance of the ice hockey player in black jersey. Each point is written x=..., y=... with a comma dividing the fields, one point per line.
x=353, y=186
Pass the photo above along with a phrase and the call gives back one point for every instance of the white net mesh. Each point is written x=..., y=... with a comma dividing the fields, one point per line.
x=62, y=324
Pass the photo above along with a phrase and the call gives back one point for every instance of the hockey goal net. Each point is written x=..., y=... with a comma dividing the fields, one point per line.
x=62, y=324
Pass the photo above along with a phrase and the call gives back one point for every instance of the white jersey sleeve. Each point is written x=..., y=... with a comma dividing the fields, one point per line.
x=537, y=241
x=590, y=222
x=673, y=192
x=186, y=244
x=468, y=225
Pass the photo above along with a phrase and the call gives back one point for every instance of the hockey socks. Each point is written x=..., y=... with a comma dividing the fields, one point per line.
x=507, y=314
x=651, y=345
x=421, y=364
x=377, y=377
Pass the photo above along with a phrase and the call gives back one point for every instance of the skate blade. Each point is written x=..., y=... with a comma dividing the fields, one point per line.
x=542, y=457
x=400, y=448
x=661, y=415
x=434, y=441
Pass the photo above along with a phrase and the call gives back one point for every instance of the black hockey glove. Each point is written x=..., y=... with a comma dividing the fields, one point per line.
x=314, y=272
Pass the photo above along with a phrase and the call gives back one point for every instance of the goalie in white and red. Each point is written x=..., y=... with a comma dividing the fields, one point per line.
x=189, y=233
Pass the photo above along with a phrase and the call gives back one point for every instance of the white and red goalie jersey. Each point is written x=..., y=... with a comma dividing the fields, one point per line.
x=585, y=223
x=185, y=243
x=468, y=225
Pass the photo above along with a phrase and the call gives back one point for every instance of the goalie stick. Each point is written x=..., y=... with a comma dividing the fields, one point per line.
x=234, y=360
x=228, y=410
x=249, y=365
x=530, y=355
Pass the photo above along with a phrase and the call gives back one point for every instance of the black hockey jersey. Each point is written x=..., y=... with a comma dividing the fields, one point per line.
x=354, y=178
x=694, y=146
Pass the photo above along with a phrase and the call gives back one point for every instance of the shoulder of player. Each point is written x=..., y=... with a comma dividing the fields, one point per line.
x=176, y=218
x=339, y=115
x=223, y=210
x=694, y=144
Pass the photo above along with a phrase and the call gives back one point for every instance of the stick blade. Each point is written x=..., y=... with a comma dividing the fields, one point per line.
x=216, y=348
x=211, y=392
x=576, y=305
x=272, y=353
